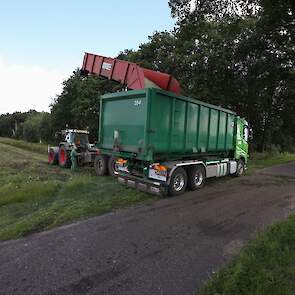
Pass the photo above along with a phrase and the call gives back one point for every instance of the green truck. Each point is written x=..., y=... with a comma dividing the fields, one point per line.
x=163, y=143
x=166, y=143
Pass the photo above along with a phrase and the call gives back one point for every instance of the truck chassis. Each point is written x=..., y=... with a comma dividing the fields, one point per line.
x=174, y=177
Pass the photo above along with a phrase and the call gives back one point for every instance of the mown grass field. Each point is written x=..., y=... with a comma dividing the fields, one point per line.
x=36, y=197
x=265, y=267
x=33, y=147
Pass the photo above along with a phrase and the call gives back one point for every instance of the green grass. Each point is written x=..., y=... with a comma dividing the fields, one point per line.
x=262, y=160
x=35, y=197
x=34, y=147
x=266, y=266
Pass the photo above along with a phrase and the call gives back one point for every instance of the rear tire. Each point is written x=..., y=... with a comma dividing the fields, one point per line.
x=196, y=177
x=112, y=166
x=178, y=182
x=52, y=157
x=240, y=168
x=101, y=165
x=64, y=158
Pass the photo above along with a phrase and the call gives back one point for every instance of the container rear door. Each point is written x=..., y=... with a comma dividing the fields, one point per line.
x=123, y=122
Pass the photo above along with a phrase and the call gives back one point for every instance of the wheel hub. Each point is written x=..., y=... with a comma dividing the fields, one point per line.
x=178, y=183
x=199, y=178
x=240, y=169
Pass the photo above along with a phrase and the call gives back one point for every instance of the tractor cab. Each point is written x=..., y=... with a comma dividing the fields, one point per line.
x=71, y=137
x=77, y=137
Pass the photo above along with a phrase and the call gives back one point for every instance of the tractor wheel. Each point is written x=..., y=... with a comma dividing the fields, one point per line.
x=64, y=158
x=101, y=165
x=52, y=157
x=112, y=166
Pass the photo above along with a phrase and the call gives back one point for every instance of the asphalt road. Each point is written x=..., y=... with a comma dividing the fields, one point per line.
x=169, y=247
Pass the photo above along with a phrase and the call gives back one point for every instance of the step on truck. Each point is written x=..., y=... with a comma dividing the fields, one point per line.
x=165, y=143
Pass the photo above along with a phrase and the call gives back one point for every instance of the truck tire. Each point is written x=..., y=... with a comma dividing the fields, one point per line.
x=52, y=157
x=101, y=165
x=240, y=168
x=64, y=159
x=178, y=182
x=196, y=177
x=112, y=166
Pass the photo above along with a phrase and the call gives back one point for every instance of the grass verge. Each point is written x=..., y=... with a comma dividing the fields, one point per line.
x=35, y=197
x=265, y=267
x=263, y=160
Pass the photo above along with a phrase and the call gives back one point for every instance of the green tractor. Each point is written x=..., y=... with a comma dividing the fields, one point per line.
x=69, y=140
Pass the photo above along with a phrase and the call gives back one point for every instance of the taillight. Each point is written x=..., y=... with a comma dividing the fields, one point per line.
x=159, y=167
x=121, y=161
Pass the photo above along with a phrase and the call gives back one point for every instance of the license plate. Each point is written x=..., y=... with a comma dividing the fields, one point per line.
x=122, y=168
x=159, y=175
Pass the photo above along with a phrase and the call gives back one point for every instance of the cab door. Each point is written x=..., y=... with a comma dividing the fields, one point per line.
x=242, y=139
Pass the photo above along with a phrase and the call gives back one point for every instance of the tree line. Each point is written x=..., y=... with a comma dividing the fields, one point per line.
x=31, y=126
x=236, y=54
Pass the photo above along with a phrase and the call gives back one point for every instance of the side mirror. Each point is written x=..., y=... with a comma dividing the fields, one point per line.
x=250, y=133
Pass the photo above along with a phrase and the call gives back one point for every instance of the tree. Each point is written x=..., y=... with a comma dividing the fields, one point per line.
x=6, y=125
x=216, y=10
x=37, y=127
x=11, y=124
x=78, y=104
x=31, y=128
x=242, y=59
x=236, y=54
x=45, y=127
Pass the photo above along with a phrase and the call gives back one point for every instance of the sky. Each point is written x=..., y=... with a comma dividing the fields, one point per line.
x=43, y=41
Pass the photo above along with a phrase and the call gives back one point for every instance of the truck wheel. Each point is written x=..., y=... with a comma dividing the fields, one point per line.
x=64, y=159
x=52, y=157
x=178, y=182
x=112, y=166
x=240, y=168
x=196, y=177
x=101, y=165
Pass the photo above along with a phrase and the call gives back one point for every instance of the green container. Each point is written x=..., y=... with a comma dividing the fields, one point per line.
x=154, y=125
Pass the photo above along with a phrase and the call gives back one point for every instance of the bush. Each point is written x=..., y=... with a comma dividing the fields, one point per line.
x=37, y=128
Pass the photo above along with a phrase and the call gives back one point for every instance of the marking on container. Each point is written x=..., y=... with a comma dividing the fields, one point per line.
x=107, y=66
x=137, y=102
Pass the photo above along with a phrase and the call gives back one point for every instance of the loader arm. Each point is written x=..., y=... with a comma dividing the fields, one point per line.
x=128, y=73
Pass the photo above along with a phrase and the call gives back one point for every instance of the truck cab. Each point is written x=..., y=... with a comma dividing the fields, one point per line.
x=243, y=134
